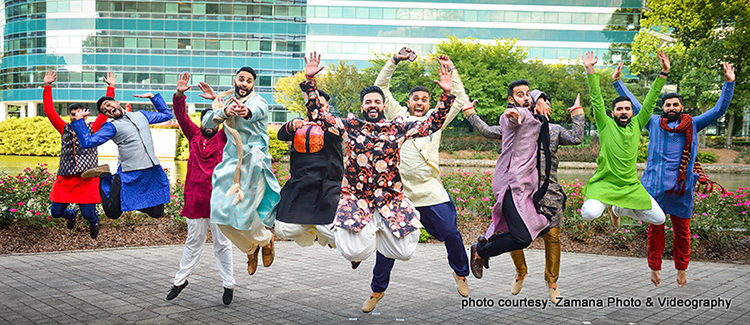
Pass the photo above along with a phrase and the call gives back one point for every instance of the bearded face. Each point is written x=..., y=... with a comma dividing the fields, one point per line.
x=622, y=113
x=520, y=97
x=672, y=109
x=373, y=107
x=243, y=84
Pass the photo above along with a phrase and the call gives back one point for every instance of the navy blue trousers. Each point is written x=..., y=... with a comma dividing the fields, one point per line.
x=88, y=211
x=439, y=221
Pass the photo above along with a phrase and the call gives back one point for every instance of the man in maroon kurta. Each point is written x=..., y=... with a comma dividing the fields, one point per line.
x=206, y=146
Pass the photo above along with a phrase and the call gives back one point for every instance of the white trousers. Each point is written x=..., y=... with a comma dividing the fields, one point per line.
x=248, y=240
x=592, y=209
x=358, y=246
x=196, y=239
x=305, y=235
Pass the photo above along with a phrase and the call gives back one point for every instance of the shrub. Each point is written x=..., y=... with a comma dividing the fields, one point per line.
x=31, y=136
x=277, y=148
x=471, y=193
x=587, y=151
x=743, y=155
x=707, y=157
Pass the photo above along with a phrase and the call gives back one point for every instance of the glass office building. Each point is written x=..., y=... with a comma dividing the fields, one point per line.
x=148, y=43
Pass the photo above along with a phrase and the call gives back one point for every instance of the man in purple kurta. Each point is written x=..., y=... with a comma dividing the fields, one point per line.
x=514, y=183
x=206, y=146
x=669, y=176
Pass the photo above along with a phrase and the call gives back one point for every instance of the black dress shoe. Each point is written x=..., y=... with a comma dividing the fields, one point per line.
x=482, y=240
x=71, y=223
x=228, y=295
x=355, y=265
x=94, y=230
x=175, y=291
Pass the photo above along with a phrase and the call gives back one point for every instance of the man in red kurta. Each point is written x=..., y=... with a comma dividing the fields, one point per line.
x=206, y=146
x=70, y=187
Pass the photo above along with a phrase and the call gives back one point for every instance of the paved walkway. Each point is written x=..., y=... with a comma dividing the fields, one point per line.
x=314, y=285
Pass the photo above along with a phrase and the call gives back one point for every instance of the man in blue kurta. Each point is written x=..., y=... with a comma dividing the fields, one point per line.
x=140, y=182
x=245, y=191
x=669, y=176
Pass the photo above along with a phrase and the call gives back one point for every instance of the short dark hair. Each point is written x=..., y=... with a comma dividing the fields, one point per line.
x=670, y=96
x=101, y=101
x=621, y=99
x=514, y=84
x=324, y=95
x=419, y=88
x=371, y=89
x=75, y=106
x=247, y=69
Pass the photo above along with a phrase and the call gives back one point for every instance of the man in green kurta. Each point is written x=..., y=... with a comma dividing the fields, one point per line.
x=615, y=183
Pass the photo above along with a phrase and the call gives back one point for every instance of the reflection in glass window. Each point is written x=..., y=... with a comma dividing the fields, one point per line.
x=578, y=18
x=347, y=12
x=266, y=46
x=470, y=15
x=225, y=80
x=225, y=45
x=266, y=10
x=511, y=16
x=144, y=43
x=199, y=8
x=524, y=17
x=158, y=7
x=564, y=18
x=185, y=8
x=172, y=8
x=144, y=7
x=212, y=8
x=171, y=43
x=389, y=13
x=212, y=44
x=130, y=42
x=89, y=77
x=240, y=46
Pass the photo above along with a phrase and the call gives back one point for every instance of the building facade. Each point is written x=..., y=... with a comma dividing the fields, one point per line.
x=148, y=43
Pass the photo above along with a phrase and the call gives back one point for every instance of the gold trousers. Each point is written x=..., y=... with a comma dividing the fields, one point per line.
x=551, y=257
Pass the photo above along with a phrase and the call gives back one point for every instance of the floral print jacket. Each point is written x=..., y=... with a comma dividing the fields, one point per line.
x=371, y=175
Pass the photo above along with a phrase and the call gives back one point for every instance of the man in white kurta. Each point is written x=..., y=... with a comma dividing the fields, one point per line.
x=420, y=172
x=245, y=191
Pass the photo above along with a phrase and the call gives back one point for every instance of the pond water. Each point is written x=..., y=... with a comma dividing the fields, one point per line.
x=15, y=164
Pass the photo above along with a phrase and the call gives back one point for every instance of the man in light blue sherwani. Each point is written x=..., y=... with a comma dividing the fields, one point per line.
x=245, y=190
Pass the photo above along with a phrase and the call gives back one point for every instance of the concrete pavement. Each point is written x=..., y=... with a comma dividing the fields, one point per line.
x=314, y=285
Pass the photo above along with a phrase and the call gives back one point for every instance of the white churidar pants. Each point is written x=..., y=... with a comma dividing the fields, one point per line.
x=592, y=209
x=196, y=239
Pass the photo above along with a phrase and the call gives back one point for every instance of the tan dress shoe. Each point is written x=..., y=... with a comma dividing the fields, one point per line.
x=268, y=254
x=370, y=303
x=554, y=295
x=252, y=261
x=516, y=286
x=463, y=287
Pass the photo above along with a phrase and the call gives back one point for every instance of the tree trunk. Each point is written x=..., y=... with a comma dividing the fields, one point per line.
x=730, y=127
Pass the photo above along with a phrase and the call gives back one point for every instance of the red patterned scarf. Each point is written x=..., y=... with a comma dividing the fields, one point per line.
x=686, y=127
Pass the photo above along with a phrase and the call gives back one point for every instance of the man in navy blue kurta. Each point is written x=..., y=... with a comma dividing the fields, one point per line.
x=669, y=175
x=140, y=182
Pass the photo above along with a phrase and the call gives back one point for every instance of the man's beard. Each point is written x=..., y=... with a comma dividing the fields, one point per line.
x=381, y=116
x=622, y=123
x=237, y=90
x=671, y=116
x=208, y=133
x=526, y=104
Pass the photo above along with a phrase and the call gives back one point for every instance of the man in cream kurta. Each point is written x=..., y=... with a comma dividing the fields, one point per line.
x=420, y=173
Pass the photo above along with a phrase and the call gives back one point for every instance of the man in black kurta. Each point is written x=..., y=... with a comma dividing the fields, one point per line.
x=310, y=198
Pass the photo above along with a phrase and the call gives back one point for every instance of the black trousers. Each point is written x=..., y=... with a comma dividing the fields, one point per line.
x=517, y=237
x=112, y=205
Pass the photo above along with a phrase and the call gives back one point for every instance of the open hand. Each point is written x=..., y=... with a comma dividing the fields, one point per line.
x=50, y=77
x=208, y=92
x=618, y=72
x=664, y=59
x=312, y=65
x=444, y=60
x=542, y=107
x=144, y=95
x=110, y=79
x=81, y=113
x=182, y=84
x=728, y=72
x=576, y=105
x=445, y=80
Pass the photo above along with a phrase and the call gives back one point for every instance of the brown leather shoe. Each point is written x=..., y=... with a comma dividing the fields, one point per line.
x=252, y=261
x=476, y=263
x=268, y=254
x=482, y=240
x=370, y=303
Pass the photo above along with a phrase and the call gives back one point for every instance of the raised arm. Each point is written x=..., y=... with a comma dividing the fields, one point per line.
x=573, y=136
x=111, y=80
x=490, y=132
x=457, y=89
x=653, y=94
x=312, y=99
x=436, y=119
x=189, y=129
x=49, y=106
x=162, y=114
x=727, y=90
x=392, y=107
x=622, y=90
x=595, y=93
x=88, y=140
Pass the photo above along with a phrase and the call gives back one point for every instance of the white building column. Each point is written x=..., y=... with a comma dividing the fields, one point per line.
x=22, y=113
x=191, y=108
x=3, y=112
x=31, y=109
